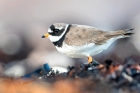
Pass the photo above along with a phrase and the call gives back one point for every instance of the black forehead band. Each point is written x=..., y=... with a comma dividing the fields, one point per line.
x=55, y=32
x=52, y=27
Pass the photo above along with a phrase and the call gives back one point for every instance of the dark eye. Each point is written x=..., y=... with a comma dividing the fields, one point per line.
x=56, y=30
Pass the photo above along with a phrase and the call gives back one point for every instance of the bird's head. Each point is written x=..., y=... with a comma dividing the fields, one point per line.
x=56, y=31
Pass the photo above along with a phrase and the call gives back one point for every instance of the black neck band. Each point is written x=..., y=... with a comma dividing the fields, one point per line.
x=59, y=43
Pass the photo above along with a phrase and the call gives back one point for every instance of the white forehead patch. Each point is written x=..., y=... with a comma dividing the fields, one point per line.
x=49, y=30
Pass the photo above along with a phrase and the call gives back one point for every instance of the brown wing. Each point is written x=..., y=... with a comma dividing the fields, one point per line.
x=81, y=35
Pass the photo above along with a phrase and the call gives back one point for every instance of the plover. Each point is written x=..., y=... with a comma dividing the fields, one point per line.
x=79, y=41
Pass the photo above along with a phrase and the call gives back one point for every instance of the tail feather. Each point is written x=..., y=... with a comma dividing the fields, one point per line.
x=120, y=33
x=128, y=32
x=129, y=29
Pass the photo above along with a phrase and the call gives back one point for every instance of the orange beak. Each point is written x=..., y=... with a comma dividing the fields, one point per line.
x=46, y=35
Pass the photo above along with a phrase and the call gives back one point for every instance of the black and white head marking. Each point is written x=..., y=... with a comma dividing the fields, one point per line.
x=57, y=33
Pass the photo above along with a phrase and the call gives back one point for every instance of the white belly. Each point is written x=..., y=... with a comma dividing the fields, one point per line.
x=83, y=51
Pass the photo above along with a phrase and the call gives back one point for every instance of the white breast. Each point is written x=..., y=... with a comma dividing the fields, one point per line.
x=84, y=51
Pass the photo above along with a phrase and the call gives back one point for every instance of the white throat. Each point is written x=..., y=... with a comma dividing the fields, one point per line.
x=57, y=38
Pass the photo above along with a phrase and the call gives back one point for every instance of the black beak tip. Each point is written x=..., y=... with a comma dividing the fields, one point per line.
x=43, y=36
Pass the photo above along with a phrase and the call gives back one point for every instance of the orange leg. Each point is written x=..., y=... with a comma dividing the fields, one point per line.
x=89, y=59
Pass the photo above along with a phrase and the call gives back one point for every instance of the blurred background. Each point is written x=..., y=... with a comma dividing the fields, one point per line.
x=23, y=22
